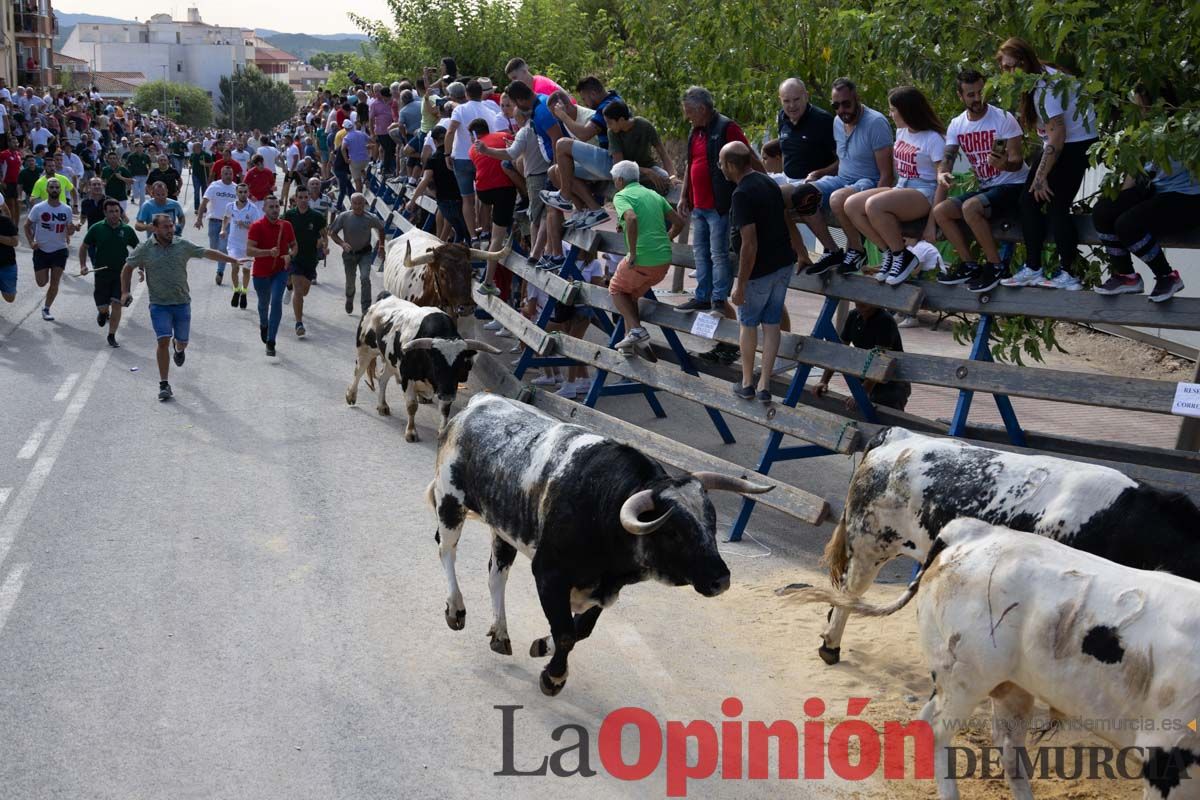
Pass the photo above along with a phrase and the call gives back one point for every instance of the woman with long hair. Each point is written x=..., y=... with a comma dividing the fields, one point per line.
x=878, y=213
x=1067, y=128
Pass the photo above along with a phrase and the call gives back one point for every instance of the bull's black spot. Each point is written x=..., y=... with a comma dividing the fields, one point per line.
x=1164, y=534
x=888, y=535
x=437, y=536
x=959, y=484
x=1103, y=643
x=867, y=486
x=451, y=512
x=1164, y=769
x=908, y=544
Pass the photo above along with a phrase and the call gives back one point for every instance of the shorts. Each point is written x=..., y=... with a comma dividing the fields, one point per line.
x=502, y=200
x=534, y=185
x=356, y=169
x=831, y=183
x=926, y=188
x=765, y=297
x=592, y=163
x=43, y=260
x=464, y=173
x=636, y=281
x=999, y=200
x=107, y=286
x=8, y=279
x=174, y=320
x=304, y=271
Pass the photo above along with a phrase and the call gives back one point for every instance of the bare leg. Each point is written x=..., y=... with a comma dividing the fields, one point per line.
x=748, y=341
x=820, y=228
x=627, y=308
x=837, y=202
x=887, y=210
x=977, y=216
x=299, y=290
x=948, y=214
x=163, y=356
x=55, y=279
x=770, y=350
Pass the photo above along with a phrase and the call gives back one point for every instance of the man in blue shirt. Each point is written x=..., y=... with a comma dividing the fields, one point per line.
x=159, y=203
x=578, y=157
x=863, y=138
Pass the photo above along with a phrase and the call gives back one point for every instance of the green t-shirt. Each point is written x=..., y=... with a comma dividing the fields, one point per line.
x=177, y=149
x=307, y=227
x=166, y=269
x=199, y=160
x=138, y=163
x=114, y=187
x=112, y=244
x=653, y=246
x=636, y=144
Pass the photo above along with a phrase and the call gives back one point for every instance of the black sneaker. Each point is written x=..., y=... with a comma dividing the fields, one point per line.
x=233, y=301
x=902, y=266
x=262, y=333
x=959, y=273
x=986, y=278
x=164, y=391
x=1166, y=287
x=350, y=304
x=744, y=392
x=764, y=397
x=242, y=300
x=101, y=318
x=852, y=261
x=271, y=349
x=827, y=262
x=112, y=340
x=695, y=305
x=220, y=277
x=1121, y=284
x=179, y=357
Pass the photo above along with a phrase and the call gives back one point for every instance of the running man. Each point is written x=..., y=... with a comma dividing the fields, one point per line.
x=357, y=253
x=239, y=216
x=164, y=259
x=109, y=243
x=267, y=242
x=308, y=225
x=159, y=203
x=220, y=195
x=9, y=239
x=48, y=230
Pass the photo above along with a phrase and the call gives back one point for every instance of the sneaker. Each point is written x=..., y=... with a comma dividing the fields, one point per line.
x=503, y=334
x=287, y=296
x=300, y=332
x=555, y=199
x=1121, y=284
x=853, y=261
x=695, y=304
x=545, y=380
x=101, y=318
x=826, y=263
x=635, y=337
x=905, y=321
x=271, y=349
x=492, y=326
x=744, y=392
x=220, y=277
x=242, y=299
x=902, y=267
x=1024, y=277
x=112, y=341
x=164, y=391
x=349, y=305
x=986, y=278
x=592, y=218
x=1166, y=287
x=1062, y=280
x=533, y=260
x=489, y=289
x=764, y=397
x=959, y=273
x=574, y=220
x=885, y=269
x=262, y=333
x=180, y=355
x=233, y=301
x=46, y=315
x=582, y=387
x=568, y=391
x=551, y=263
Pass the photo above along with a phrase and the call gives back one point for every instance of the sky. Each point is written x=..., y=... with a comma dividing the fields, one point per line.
x=287, y=16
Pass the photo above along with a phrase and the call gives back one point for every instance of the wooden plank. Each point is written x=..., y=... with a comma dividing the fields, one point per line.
x=906, y=297
x=563, y=291
x=490, y=372
x=537, y=339
x=614, y=243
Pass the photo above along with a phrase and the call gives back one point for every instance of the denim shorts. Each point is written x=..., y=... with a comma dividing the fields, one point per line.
x=831, y=183
x=926, y=188
x=999, y=200
x=765, y=297
x=591, y=163
x=464, y=173
x=8, y=279
x=168, y=321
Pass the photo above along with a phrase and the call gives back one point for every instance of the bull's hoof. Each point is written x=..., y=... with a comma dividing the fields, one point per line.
x=384, y=411
x=548, y=685
x=351, y=398
x=501, y=646
x=830, y=655
x=457, y=620
x=540, y=648
x=410, y=436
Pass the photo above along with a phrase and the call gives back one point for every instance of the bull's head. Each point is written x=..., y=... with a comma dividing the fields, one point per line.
x=681, y=531
x=451, y=268
x=450, y=362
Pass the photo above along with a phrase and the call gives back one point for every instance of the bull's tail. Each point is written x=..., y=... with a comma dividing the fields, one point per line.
x=370, y=373
x=837, y=552
x=856, y=605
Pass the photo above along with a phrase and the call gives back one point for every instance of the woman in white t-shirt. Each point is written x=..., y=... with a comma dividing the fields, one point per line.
x=878, y=213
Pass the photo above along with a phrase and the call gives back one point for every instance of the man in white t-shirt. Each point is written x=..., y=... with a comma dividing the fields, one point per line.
x=235, y=225
x=217, y=198
x=38, y=136
x=990, y=138
x=241, y=155
x=48, y=229
x=458, y=142
x=269, y=153
x=291, y=158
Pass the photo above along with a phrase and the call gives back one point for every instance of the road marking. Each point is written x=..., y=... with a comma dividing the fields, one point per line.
x=4, y=493
x=9, y=591
x=35, y=440
x=67, y=386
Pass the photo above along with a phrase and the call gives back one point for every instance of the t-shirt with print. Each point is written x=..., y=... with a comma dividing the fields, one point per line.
x=1049, y=103
x=636, y=144
x=139, y=164
x=975, y=139
x=307, y=227
x=464, y=115
x=653, y=247
x=699, y=181
x=219, y=196
x=915, y=155
x=238, y=222
x=856, y=149
x=489, y=174
x=112, y=244
x=758, y=201
x=51, y=226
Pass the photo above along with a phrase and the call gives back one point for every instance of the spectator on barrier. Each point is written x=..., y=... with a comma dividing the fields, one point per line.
x=1165, y=201
x=805, y=144
x=636, y=139
x=586, y=151
x=864, y=149
x=766, y=242
x=706, y=196
x=868, y=327
x=517, y=70
x=645, y=216
x=548, y=130
x=878, y=213
x=495, y=190
x=991, y=139
x=440, y=175
x=1067, y=131
x=458, y=142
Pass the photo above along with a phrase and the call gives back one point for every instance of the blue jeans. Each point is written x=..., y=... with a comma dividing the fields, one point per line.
x=199, y=184
x=217, y=242
x=270, y=301
x=345, y=187
x=710, y=248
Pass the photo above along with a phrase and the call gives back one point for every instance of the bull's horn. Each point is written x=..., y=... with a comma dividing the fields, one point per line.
x=488, y=255
x=424, y=343
x=484, y=347
x=408, y=254
x=638, y=504
x=424, y=258
x=716, y=482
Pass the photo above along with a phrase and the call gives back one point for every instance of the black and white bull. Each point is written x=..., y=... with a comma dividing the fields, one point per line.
x=1015, y=616
x=420, y=348
x=910, y=485
x=592, y=514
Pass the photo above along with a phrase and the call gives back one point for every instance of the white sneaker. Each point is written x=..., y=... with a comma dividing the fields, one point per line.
x=582, y=387
x=569, y=390
x=492, y=326
x=545, y=380
x=905, y=321
x=504, y=334
x=692, y=274
x=1062, y=280
x=1024, y=277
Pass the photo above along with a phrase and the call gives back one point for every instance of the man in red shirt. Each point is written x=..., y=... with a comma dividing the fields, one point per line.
x=272, y=242
x=260, y=181
x=493, y=186
x=10, y=166
x=226, y=159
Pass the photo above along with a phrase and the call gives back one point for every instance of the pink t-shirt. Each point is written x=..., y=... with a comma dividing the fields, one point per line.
x=543, y=85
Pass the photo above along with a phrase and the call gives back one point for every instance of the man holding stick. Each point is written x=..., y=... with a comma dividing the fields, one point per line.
x=110, y=242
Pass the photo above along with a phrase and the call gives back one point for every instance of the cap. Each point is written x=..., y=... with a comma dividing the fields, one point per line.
x=347, y=124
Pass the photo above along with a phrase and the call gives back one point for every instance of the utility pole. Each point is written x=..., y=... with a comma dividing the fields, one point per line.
x=164, y=108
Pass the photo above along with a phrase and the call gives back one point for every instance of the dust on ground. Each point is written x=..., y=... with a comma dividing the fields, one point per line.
x=1115, y=355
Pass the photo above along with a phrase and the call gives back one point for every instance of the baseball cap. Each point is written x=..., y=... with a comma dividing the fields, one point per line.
x=347, y=124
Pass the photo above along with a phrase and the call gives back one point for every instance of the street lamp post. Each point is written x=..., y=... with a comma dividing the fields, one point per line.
x=164, y=108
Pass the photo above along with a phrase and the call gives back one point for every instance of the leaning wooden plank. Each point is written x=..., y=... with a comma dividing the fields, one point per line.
x=614, y=243
x=563, y=291
x=807, y=507
x=906, y=297
x=537, y=339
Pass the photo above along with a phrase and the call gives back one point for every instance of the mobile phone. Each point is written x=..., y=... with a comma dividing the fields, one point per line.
x=999, y=147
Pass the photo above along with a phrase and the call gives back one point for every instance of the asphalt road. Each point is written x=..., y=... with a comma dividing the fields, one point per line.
x=237, y=594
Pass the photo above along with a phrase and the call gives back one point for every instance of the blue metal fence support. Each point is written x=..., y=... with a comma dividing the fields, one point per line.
x=981, y=352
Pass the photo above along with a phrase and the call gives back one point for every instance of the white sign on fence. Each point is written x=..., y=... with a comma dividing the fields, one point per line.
x=705, y=325
x=1187, y=400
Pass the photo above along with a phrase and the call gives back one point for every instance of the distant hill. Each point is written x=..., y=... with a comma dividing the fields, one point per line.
x=358, y=37
x=67, y=23
x=303, y=45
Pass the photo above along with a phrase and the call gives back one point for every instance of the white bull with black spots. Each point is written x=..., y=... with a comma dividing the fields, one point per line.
x=910, y=485
x=1016, y=617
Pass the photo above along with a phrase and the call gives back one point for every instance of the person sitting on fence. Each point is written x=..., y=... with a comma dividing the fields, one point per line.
x=864, y=148
x=636, y=139
x=990, y=138
x=870, y=328
x=645, y=215
x=878, y=213
x=440, y=175
x=586, y=152
x=766, y=242
x=1166, y=201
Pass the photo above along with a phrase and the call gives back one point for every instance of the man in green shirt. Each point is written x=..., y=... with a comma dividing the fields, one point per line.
x=117, y=180
x=178, y=151
x=309, y=227
x=164, y=259
x=50, y=171
x=139, y=167
x=110, y=242
x=635, y=139
x=645, y=215
x=200, y=163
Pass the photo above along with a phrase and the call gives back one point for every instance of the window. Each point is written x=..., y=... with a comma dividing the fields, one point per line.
x=177, y=37
x=179, y=66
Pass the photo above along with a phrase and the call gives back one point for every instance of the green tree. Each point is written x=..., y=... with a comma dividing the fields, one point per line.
x=331, y=61
x=186, y=104
x=255, y=100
